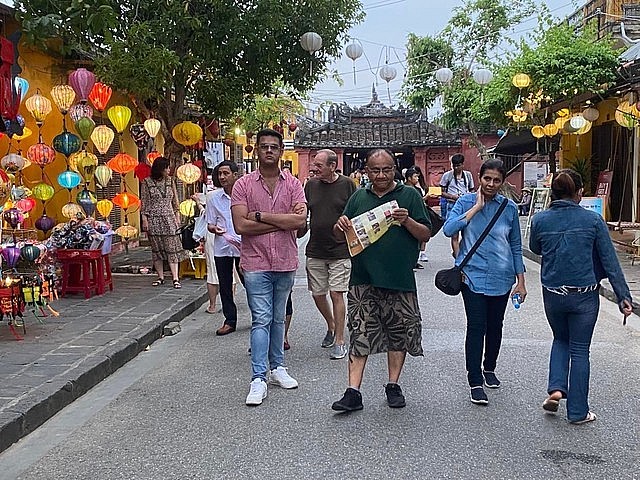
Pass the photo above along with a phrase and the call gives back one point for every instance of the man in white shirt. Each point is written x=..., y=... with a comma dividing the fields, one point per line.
x=227, y=242
x=455, y=183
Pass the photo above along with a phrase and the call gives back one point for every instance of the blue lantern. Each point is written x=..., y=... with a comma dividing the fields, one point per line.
x=87, y=201
x=69, y=179
x=67, y=143
x=21, y=87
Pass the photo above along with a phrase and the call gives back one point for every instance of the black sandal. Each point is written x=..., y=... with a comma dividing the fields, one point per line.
x=176, y=284
x=158, y=282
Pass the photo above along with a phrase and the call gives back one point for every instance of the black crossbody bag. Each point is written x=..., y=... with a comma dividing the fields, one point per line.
x=449, y=281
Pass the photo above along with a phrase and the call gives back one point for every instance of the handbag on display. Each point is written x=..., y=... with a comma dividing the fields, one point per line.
x=449, y=280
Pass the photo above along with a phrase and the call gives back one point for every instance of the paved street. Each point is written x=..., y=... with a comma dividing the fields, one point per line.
x=177, y=411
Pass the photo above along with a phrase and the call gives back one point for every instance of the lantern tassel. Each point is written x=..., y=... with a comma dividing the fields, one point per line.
x=354, y=73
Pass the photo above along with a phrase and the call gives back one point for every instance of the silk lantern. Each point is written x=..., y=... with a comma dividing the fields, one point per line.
x=63, y=96
x=104, y=207
x=44, y=223
x=188, y=173
x=26, y=133
x=30, y=252
x=152, y=155
x=13, y=162
x=43, y=192
x=87, y=201
x=39, y=107
x=591, y=114
x=11, y=255
x=152, y=126
x=550, y=129
x=187, y=133
x=139, y=135
x=126, y=231
x=100, y=95
x=187, y=208
x=102, y=137
x=25, y=205
x=82, y=81
x=76, y=112
x=13, y=217
x=103, y=175
x=122, y=163
x=69, y=179
x=41, y=154
x=67, y=143
x=537, y=131
x=21, y=87
x=521, y=80
x=72, y=210
x=126, y=200
x=119, y=116
x=84, y=127
x=86, y=164
x=142, y=171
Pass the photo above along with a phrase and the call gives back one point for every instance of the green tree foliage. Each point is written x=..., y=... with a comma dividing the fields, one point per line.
x=213, y=55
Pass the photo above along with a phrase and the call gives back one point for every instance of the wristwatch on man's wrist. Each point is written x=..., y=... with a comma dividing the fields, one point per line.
x=258, y=217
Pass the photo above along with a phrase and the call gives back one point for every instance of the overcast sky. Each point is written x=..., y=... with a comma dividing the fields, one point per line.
x=385, y=29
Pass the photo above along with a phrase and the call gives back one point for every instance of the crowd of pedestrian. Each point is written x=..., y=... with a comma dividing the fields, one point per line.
x=253, y=222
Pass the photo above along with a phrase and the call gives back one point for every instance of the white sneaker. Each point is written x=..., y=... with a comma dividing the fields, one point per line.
x=257, y=393
x=280, y=377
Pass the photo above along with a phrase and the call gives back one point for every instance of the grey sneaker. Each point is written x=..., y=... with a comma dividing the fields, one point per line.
x=338, y=352
x=329, y=340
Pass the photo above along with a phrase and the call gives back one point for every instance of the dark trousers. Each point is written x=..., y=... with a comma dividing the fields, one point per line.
x=484, y=332
x=224, y=268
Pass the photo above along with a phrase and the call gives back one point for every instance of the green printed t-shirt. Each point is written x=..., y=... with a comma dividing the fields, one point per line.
x=388, y=263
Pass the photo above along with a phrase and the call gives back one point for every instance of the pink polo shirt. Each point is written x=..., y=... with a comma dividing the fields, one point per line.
x=275, y=251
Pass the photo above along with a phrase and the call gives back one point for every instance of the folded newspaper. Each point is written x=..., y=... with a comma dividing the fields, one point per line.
x=368, y=227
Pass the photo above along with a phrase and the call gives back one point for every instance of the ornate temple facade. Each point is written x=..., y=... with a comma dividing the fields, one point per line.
x=352, y=132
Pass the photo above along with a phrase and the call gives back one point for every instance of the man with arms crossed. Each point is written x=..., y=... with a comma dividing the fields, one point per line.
x=328, y=262
x=382, y=302
x=268, y=207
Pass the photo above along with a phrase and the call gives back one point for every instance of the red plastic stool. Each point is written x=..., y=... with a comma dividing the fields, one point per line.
x=80, y=271
x=104, y=274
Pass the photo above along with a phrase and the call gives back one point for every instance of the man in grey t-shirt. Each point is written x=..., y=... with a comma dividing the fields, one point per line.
x=455, y=183
x=328, y=260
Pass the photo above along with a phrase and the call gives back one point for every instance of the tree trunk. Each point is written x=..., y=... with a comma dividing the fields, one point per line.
x=474, y=141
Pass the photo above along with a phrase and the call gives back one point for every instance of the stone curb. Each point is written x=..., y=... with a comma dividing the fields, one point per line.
x=34, y=410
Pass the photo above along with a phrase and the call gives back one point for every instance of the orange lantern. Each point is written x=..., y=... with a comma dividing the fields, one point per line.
x=41, y=153
x=122, y=163
x=126, y=200
x=63, y=96
x=100, y=95
x=152, y=155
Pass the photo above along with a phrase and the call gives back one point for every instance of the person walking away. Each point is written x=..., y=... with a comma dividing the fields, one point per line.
x=227, y=242
x=412, y=179
x=382, y=302
x=489, y=275
x=161, y=220
x=267, y=208
x=455, y=183
x=328, y=261
x=577, y=253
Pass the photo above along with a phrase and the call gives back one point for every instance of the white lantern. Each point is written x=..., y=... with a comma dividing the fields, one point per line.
x=388, y=73
x=591, y=114
x=577, y=122
x=152, y=127
x=354, y=51
x=311, y=42
x=482, y=76
x=444, y=75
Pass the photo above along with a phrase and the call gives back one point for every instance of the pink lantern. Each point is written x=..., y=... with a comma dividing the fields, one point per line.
x=82, y=81
x=25, y=205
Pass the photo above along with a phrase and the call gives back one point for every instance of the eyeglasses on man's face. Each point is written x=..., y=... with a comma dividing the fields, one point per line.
x=265, y=147
x=384, y=171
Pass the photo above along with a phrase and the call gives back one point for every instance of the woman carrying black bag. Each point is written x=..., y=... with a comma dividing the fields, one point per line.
x=489, y=274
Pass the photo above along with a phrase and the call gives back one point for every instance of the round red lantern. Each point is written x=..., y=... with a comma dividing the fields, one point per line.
x=142, y=171
x=41, y=154
x=100, y=95
x=122, y=163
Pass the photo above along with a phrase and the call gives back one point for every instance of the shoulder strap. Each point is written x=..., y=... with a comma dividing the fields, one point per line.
x=493, y=221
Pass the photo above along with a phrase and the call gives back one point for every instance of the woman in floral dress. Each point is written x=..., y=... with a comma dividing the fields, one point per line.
x=161, y=220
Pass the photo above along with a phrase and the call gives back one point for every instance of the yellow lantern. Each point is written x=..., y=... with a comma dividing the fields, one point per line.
x=119, y=116
x=563, y=112
x=188, y=208
x=86, y=164
x=127, y=231
x=188, y=173
x=559, y=122
x=550, y=130
x=102, y=137
x=39, y=107
x=625, y=116
x=187, y=133
x=43, y=192
x=152, y=126
x=26, y=133
x=63, y=96
x=537, y=131
x=521, y=80
x=72, y=210
x=103, y=175
x=104, y=207
x=584, y=129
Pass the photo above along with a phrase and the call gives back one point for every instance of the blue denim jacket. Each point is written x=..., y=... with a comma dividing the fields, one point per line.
x=493, y=268
x=576, y=248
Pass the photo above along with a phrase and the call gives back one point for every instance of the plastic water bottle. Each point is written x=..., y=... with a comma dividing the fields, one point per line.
x=515, y=300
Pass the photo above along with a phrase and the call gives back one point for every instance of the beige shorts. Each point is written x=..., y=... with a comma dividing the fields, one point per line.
x=324, y=276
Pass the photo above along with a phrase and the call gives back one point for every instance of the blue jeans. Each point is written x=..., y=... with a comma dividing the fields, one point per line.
x=267, y=294
x=485, y=315
x=572, y=319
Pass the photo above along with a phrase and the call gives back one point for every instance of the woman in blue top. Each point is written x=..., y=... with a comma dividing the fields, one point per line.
x=577, y=254
x=489, y=275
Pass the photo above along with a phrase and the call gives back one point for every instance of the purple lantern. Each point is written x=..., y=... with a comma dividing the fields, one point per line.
x=11, y=255
x=13, y=217
x=82, y=81
x=44, y=223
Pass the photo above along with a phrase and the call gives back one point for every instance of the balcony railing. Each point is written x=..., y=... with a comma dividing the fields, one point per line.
x=606, y=15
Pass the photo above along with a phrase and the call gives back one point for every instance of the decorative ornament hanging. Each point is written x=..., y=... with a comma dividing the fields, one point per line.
x=25, y=205
x=21, y=86
x=84, y=127
x=104, y=207
x=26, y=133
x=126, y=200
x=41, y=154
x=152, y=126
x=86, y=165
x=152, y=155
x=44, y=223
x=100, y=95
x=188, y=173
x=82, y=81
x=11, y=255
x=30, y=252
x=444, y=75
x=102, y=137
x=142, y=171
x=43, y=191
x=388, y=73
x=87, y=201
x=311, y=42
x=119, y=116
x=103, y=175
x=69, y=179
x=39, y=107
x=127, y=231
x=139, y=135
x=591, y=114
x=354, y=51
x=13, y=217
x=79, y=110
x=72, y=211
x=66, y=143
x=187, y=208
x=13, y=162
x=187, y=133
x=550, y=130
x=63, y=96
x=521, y=80
x=122, y=163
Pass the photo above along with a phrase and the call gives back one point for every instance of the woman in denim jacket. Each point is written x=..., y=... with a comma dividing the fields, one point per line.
x=489, y=276
x=577, y=254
